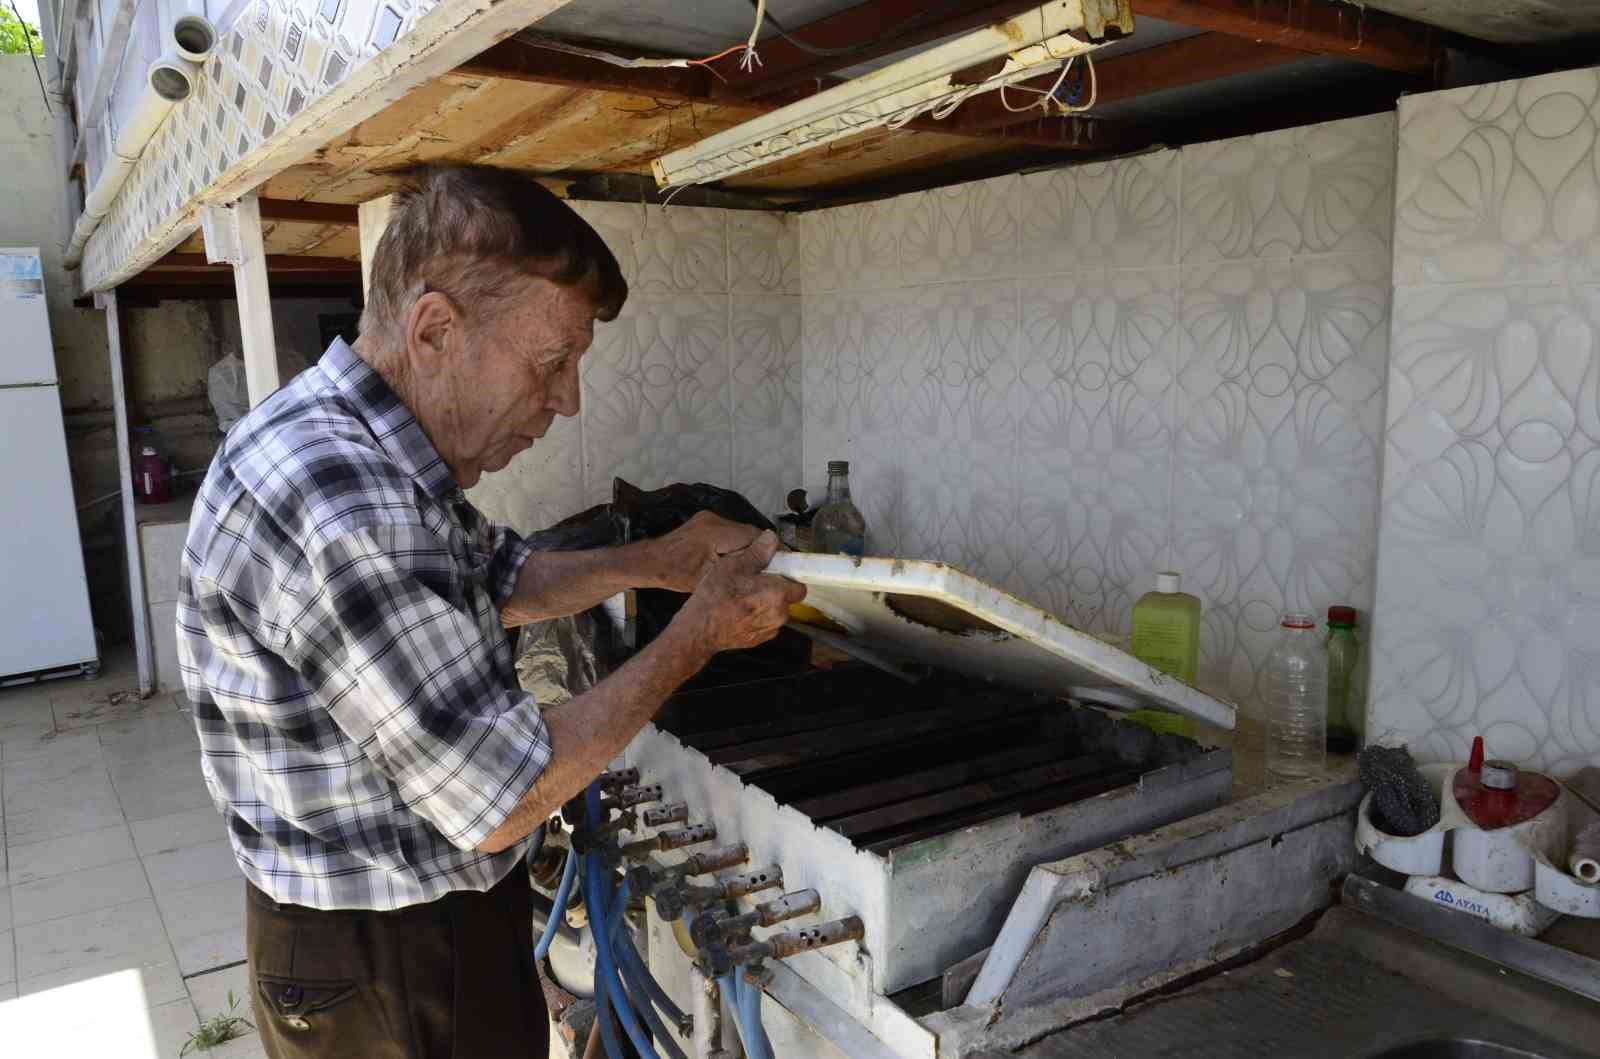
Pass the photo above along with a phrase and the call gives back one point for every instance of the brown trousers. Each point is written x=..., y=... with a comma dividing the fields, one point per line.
x=451, y=979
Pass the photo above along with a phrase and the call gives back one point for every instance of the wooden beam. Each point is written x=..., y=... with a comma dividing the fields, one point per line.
x=519, y=60
x=870, y=30
x=298, y=212
x=1317, y=27
x=277, y=263
x=515, y=59
x=1192, y=60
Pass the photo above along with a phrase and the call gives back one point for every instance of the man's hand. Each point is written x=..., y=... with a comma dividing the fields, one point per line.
x=735, y=605
x=685, y=554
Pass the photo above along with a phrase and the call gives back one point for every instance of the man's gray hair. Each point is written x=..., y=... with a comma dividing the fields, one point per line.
x=461, y=230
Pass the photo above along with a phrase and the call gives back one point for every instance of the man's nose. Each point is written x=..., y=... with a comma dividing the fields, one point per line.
x=564, y=394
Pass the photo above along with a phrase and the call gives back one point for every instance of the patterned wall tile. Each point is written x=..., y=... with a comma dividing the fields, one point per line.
x=681, y=249
x=660, y=368
x=1096, y=440
x=968, y=231
x=1489, y=566
x=1310, y=190
x=763, y=252
x=766, y=397
x=1113, y=214
x=1500, y=182
x=852, y=247
x=1280, y=397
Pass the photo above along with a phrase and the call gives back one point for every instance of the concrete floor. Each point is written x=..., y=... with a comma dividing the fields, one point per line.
x=121, y=908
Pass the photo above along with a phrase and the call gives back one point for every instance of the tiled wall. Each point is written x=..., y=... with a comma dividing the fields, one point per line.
x=1067, y=381
x=697, y=380
x=1488, y=614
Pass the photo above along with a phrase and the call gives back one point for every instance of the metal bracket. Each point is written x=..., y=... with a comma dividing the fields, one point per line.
x=220, y=226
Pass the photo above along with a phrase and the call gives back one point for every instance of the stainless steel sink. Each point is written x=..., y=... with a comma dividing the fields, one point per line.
x=1452, y=1048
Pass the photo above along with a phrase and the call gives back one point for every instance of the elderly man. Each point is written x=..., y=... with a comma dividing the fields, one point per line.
x=342, y=634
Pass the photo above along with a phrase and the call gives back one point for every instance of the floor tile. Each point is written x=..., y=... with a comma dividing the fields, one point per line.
x=182, y=869
x=8, y=991
x=190, y=828
x=202, y=910
x=82, y=762
x=97, y=1018
x=154, y=735
x=206, y=952
x=5, y=908
x=155, y=968
x=173, y=787
x=75, y=789
x=91, y=849
x=96, y=704
x=59, y=821
x=8, y=957
x=49, y=745
x=210, y=991
x=79, y=891
x=99, y=937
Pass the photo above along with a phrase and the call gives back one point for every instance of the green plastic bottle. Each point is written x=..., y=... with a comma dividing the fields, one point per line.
x=1345, y=708
x=1166, y=634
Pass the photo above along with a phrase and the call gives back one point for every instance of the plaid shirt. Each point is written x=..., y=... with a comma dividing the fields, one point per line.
x=360, y=722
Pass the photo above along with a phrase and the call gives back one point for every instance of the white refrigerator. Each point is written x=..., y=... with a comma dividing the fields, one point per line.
x=45, y=628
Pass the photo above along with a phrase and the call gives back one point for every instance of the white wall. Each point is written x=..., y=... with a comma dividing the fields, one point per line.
x=1488, y=611
x=1068, y=381
x=697, y=380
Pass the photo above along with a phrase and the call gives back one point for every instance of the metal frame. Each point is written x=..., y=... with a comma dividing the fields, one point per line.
x=107, y=301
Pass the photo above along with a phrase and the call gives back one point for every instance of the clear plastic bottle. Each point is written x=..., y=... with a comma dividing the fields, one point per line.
x=1295, y=686
x=838, y=528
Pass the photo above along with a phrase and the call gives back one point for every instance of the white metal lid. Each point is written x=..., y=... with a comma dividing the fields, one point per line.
x=936, y=615
x=1169, y=581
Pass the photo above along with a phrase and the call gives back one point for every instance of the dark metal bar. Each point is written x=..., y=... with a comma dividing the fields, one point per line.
x=834, y=804
x=662, y=815
x=811, y=746
x=1030, y=802
x=966, y=796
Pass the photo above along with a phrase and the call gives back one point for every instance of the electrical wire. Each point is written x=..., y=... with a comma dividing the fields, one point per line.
x=27, y=36
x=752, y=58
x=921, y=18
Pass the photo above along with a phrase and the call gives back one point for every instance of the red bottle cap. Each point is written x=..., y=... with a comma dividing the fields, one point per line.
x=1341, y=615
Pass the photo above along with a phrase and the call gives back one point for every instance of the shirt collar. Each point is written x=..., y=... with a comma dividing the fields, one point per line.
x=391, y=422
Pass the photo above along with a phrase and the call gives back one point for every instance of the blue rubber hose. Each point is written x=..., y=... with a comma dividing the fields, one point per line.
x=756, y=1044
x=558, y=911
x=638, y=991
x=730, y=993
x=628, y=956
x=608, y=1029
x=600, y=923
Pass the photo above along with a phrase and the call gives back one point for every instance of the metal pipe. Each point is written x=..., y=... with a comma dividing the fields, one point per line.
x=707, y=1015
x=143, y=656
x=677, y=838
x=169, y=81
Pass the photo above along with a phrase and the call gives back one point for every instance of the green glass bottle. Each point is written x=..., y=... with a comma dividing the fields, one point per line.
x=1166, y=634
x=1345, y=708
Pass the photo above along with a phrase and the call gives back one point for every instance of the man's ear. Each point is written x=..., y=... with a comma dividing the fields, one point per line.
x=428, y=330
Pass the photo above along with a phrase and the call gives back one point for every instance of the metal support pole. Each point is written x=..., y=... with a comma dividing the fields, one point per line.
x=373, y=217
x=107, y=300
x=233, y=234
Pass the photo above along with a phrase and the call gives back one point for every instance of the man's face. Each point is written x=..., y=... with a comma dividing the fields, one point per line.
x=515, y=371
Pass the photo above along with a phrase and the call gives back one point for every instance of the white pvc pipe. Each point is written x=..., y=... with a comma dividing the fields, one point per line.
x=169, y=81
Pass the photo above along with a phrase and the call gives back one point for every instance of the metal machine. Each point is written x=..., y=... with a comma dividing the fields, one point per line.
x=830, y=842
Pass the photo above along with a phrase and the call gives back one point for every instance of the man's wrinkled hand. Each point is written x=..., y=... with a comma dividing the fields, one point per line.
x=688, y=552
x=736, y=605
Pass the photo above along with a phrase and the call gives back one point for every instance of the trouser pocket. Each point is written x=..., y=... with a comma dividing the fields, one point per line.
x=300, y=1018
